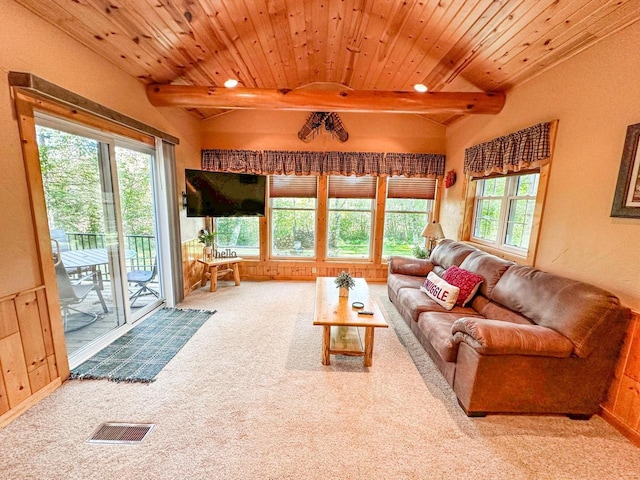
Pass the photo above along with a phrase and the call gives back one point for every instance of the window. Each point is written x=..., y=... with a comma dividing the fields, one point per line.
x=238, y=234
x=293, y=215
x=350, y=216
x=408, y=210
x=504, y=211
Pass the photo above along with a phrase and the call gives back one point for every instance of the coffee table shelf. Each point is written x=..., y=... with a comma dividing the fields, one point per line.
x=346, y=341
x=341, y=322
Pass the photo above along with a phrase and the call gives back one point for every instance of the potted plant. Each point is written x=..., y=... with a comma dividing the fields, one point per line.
x=420, y=252
x=344, y=282
x=208, y=238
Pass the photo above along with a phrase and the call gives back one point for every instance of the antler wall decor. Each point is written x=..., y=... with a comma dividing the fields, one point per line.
x=331, y=122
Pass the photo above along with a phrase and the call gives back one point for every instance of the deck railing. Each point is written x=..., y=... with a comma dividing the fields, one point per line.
x=144, y=247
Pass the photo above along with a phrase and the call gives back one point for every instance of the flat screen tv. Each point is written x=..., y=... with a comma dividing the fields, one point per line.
x=217, y=194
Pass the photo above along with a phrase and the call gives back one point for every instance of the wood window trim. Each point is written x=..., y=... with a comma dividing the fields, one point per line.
x=321, y=259
x=84, y=110
x=347, y=187
x=31, y=156
x=469, y=196
x=80, y=117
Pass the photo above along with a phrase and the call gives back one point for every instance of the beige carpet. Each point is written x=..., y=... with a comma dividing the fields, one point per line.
x=247, y=398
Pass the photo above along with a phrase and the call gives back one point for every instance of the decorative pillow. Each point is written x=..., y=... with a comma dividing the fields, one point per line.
x=440, y=291
x=468, y=283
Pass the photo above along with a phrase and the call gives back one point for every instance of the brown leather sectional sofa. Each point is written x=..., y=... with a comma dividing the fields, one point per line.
x=529, y=342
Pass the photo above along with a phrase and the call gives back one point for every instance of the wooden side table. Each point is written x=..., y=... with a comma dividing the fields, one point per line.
x=219, y=267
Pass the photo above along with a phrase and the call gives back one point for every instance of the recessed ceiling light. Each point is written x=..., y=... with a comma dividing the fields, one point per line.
x=420, y=88
x=232, y=82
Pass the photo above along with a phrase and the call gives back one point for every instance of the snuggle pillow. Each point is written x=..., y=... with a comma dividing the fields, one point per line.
x=468, y=283
x=440, y=291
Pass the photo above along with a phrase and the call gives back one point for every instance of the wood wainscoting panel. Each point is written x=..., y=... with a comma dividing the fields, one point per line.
x=8, y=317
x=309, y=270
x=14, y=370
x=191, y=269
x=39, y=378
x=28, y=362
x=31, y=333
x=45, y=322
x=254, y=269
x=622, y=406
x=4, y=401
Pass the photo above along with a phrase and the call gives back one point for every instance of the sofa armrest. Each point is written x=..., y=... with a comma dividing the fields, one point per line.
x=497, y=337
x=409, y=266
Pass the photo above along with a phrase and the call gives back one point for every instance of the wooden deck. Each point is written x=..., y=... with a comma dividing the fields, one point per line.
x=82, y=329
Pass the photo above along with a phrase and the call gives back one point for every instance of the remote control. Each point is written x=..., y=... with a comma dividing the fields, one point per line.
x=365, y=312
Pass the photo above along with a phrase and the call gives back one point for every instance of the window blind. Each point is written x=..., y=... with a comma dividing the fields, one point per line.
x=352, y=187
x=403, y=187
x=298, y=186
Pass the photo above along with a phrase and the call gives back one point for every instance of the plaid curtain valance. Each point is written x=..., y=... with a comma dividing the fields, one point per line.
x=523, y=150
x=276, y=162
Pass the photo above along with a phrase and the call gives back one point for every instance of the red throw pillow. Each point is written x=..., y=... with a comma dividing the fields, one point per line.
x=468, y=283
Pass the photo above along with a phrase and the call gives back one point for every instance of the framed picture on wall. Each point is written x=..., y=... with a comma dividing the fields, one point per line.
x=626, y=202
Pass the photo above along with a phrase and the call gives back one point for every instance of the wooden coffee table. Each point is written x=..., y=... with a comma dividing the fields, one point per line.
x=341, y=323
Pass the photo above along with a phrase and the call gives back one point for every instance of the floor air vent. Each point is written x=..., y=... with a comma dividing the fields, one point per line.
x=121, y=433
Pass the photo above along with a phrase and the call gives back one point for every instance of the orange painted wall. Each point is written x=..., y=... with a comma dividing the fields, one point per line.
x=594, y=96
x=29, y=44
x=264, y=130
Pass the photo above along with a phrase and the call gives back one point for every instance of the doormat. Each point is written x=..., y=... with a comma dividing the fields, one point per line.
x=140, y=354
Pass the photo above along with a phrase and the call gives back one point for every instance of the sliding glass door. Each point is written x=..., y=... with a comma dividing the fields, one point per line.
x=100, y=203
x=136, y=187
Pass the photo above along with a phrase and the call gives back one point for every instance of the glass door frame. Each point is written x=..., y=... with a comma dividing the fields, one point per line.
x=157, y=210
x=107, y=143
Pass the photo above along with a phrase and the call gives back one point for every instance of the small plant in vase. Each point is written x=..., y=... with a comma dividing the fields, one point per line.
x=208, y=238
x=344, y=282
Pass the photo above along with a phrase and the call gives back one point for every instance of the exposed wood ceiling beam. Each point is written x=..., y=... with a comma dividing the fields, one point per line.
x=325, y=100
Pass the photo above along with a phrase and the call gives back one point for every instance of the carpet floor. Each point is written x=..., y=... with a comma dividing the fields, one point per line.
x=247, y=398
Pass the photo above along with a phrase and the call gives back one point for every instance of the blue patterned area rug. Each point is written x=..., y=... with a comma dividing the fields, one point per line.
x=140, y=354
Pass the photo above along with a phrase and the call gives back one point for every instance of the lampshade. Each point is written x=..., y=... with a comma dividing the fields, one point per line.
x=433, y=230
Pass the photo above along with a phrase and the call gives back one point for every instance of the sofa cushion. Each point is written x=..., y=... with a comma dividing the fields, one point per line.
x=468, y=283
x=411, y=302
x=489, y=309
x=489, y=267
x=448, y=253
x=439, y=290
x=397, y=281
x=579, y=311
x=436, y=328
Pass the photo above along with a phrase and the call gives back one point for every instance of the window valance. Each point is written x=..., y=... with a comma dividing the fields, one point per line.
x=519, y=151
x=277, y=162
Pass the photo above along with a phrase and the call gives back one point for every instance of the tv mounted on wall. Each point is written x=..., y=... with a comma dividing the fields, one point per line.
x=218, y=194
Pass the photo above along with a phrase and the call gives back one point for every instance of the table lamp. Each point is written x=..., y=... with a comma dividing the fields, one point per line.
x=432, y=232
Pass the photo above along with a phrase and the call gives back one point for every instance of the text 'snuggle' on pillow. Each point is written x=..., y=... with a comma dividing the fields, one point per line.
x=440, y=291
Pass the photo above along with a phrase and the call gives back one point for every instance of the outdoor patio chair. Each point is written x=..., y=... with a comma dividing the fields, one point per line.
x=142, y=278
x=74, y=293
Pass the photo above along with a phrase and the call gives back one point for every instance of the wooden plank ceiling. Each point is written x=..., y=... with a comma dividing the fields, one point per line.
x=448, y=45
